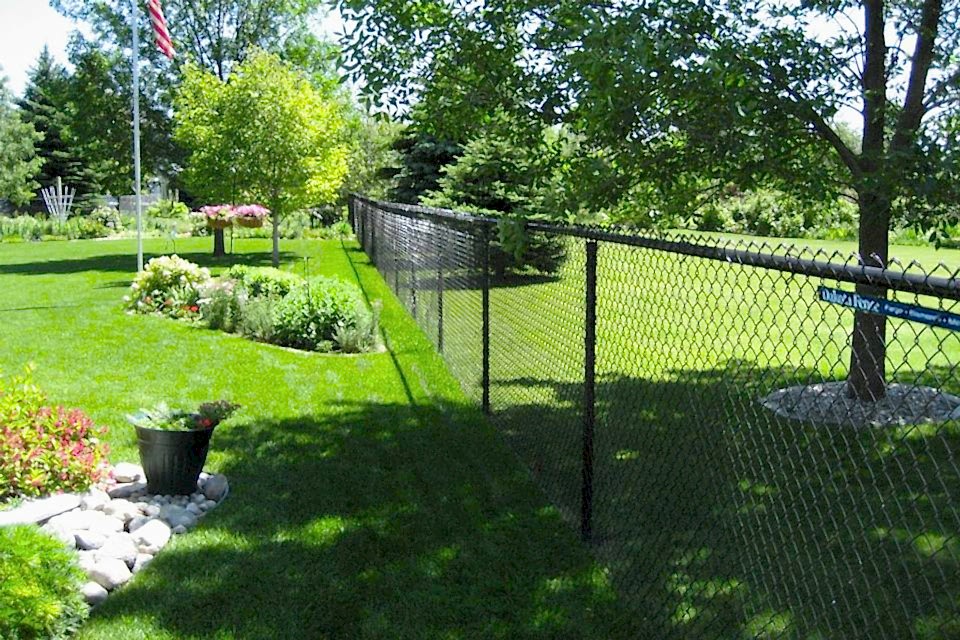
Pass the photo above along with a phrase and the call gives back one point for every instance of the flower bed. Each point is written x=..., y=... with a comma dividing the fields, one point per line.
x=262, y=303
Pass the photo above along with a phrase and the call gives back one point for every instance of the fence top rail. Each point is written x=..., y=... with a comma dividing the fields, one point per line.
x=940, y=281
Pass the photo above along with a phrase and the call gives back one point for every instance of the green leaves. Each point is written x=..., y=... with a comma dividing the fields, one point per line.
x=18, y=160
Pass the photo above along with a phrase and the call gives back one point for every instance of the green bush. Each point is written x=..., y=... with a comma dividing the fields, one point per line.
x=768, y=212
x=31, y=228
x=40, y=582
x=309, y=316
x=220, y=306
x=262, y=282
x=44, y=449
x=168, y=209
x=169, y=285
x=108, y=217
x=256, y=319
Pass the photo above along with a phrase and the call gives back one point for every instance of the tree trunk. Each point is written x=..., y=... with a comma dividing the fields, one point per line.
x=868, y=380
x=276, y=239
x=219, y=249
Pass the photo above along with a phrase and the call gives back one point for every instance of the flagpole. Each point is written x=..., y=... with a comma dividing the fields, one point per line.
x=135, y=20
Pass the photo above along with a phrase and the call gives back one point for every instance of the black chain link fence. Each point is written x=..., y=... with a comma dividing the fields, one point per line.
x=682, y=402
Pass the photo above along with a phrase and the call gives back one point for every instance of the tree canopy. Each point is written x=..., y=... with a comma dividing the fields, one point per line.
x=265, y=135
x=686, y=96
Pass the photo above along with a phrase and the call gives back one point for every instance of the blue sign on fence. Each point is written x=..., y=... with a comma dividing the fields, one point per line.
x=879, y=306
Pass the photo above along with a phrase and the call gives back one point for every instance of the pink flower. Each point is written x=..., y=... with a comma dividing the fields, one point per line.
x=251, y=211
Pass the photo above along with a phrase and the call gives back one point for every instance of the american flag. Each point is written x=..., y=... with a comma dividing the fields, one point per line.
x=160, y=28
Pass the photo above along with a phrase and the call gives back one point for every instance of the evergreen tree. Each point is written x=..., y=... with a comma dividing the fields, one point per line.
x=422, y=156
x=18, y=160
x=45, y=105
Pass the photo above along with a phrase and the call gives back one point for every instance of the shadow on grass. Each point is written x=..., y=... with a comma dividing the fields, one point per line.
x=126, y=263
x=718, y=520
x=380, y=521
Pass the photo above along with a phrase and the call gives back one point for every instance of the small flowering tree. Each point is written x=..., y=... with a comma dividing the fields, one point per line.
x=266, y=134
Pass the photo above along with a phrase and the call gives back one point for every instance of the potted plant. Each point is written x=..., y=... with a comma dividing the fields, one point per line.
x=173, y=444
x=217, y=216
x=250, y=215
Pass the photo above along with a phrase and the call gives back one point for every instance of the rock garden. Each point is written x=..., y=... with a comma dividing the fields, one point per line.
x=116, y=526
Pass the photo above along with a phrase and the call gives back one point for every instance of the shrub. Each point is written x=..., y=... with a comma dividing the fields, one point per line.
x=363, y=336
x=40, y=584
x=256, y=319
x=168, y=285
x=309, y=316
x=220, y=306
x=108, y=217
x=30, y=228
x=264, y=281
x=168, y=209
x=44, y=449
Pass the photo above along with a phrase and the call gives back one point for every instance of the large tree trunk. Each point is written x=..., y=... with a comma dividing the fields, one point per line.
x=276, y=239
x=219, y=246
x=868, y=378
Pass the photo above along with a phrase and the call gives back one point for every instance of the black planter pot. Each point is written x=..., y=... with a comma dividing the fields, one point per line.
x=172, y=460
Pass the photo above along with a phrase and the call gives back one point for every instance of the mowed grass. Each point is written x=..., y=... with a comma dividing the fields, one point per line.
x=716, y=518
x=368, y=499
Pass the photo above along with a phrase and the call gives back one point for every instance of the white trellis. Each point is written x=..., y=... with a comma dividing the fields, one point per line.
x=59, y=200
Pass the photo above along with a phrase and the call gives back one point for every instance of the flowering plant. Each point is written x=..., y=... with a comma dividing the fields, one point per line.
x=169, y=285
x=207, y=416
x=217, y=212
x=251, y=211
x=43, y=448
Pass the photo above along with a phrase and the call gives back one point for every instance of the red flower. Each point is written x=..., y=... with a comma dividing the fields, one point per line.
x=194, y=308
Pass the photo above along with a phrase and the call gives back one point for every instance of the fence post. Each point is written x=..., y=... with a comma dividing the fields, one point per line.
x=440, y=298
x=396, y=262
x=485, y=279
x=351, y=217
x=412, y=260
x=589, y=389
x=373, y=238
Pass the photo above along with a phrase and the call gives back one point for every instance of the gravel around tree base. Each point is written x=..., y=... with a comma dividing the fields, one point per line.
x=827, y=403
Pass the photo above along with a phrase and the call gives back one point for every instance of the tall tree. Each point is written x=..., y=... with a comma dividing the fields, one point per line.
x=99, y=95
x=45, y=106
x=213, y=34
x=265, y=135
x=688, y=95
x=18, y=158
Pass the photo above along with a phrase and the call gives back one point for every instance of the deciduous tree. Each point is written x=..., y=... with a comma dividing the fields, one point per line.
x=266, y=134
x=689, y=95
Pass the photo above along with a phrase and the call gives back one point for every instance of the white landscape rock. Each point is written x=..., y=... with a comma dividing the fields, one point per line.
x=89, y=540
x=152, y=536
x=110, y=573
x=120, y=546
x=143, y=559
x=137, y=522
x=94, y=523
x=216, y=487
x=94, y=593
x=127, y=490
x=94, y=499
x=122, y=509
x=37, y=511
x=127, y=472
x=177, y=516
x=60, y=534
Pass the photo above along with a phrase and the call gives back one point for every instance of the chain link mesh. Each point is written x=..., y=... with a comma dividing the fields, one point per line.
x=730, y=487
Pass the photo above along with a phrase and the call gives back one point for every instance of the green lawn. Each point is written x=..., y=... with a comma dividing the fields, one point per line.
x=716, y=519
x=369, y=499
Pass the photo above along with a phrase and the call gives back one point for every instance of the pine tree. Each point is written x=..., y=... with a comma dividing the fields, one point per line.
x=45, y=106
x=18, y=161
